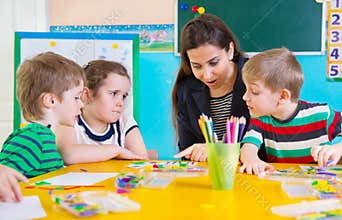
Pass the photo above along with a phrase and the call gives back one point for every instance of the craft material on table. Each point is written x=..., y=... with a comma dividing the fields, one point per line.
x=144, y=179
x=128, y=180
x=89, y=203
x=297, y=190
x=327, y=189
x=324, y=215
x=29, y=208
x=292, y=174
x=305, y=207
x=76, y=179
x=333, y=170
x=321, y=189
x=168, y=166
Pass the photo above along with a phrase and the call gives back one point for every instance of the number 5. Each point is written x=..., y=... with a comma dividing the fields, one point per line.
x=333, y=70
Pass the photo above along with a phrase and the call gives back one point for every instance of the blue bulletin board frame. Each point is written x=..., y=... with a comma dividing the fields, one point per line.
x=153, y=37
x=19, y=36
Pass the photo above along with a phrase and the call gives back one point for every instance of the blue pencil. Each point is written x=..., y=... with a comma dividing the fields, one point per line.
x=242, y=126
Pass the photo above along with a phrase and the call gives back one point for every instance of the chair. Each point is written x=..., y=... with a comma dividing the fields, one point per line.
x=152, y=154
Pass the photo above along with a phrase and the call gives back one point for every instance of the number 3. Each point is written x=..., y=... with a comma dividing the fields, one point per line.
x=335, y=36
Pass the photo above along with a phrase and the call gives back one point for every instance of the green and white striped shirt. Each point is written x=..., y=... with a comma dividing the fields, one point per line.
x=32, y=151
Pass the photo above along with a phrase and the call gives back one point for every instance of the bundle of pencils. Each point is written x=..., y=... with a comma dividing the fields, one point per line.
x=207, y=128
x=235, y=127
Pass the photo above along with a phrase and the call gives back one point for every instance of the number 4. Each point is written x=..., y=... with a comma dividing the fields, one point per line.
x=334, y=53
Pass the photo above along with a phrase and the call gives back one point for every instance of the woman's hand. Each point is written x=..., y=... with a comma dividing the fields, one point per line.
x=196, y=152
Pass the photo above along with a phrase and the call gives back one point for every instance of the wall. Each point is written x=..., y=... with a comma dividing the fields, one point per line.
x=15, y=15
x=91, y=12
x=158, y=69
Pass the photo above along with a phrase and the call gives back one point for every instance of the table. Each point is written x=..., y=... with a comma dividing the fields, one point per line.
x=185, y=198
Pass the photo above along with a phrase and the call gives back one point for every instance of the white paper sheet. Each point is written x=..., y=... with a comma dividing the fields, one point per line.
x=79, y=178
x=29, y=208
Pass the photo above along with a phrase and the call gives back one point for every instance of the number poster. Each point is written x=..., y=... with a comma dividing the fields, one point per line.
x=334, y=52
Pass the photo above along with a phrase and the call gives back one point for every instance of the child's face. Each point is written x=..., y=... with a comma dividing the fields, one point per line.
x=261, y=101
x=109, y=102
x=69, y=108
x=211, y=65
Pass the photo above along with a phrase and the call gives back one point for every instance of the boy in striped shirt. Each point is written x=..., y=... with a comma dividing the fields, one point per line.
x=48, y=90
x=287, y=128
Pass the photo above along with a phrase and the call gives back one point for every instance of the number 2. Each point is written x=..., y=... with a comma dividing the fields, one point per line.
x=337, y=19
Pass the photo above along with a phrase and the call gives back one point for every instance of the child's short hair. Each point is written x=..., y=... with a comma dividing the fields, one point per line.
x=97, y=71
x=45, y=73
x=278, y=69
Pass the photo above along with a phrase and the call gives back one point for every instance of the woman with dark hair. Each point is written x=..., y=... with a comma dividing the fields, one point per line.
x=208, y=81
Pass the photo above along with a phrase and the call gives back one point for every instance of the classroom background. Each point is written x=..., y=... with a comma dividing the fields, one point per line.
x=157, y=69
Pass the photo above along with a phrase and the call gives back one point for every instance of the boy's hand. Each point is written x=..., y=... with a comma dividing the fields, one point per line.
x=9, y=186
x=326, y=155
x=251, y=162
x=197, y=152
x=255, y=167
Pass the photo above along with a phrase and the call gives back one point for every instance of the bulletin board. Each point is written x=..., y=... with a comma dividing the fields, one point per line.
x=260, y=25
x=81, y=48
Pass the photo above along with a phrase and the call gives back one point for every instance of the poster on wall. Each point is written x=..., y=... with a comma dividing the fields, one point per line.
x=334, y=51
x=153, y=37
x=82, y=48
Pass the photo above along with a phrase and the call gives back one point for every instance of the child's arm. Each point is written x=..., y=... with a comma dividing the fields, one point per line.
x=330, y=155
x=86, y=153
x=9, y=187
x=250, y=160
x=196, y=152
x=135, y=143
x=323, y=154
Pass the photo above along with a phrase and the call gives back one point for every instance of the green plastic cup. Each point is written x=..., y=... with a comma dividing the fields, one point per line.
x=223, y=160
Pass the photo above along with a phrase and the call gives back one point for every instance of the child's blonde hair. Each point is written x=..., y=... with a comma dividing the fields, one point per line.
x=45, y=73
x=97, y=71
x=278, y=69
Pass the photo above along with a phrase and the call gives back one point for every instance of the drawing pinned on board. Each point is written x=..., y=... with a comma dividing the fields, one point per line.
x=153, y=37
